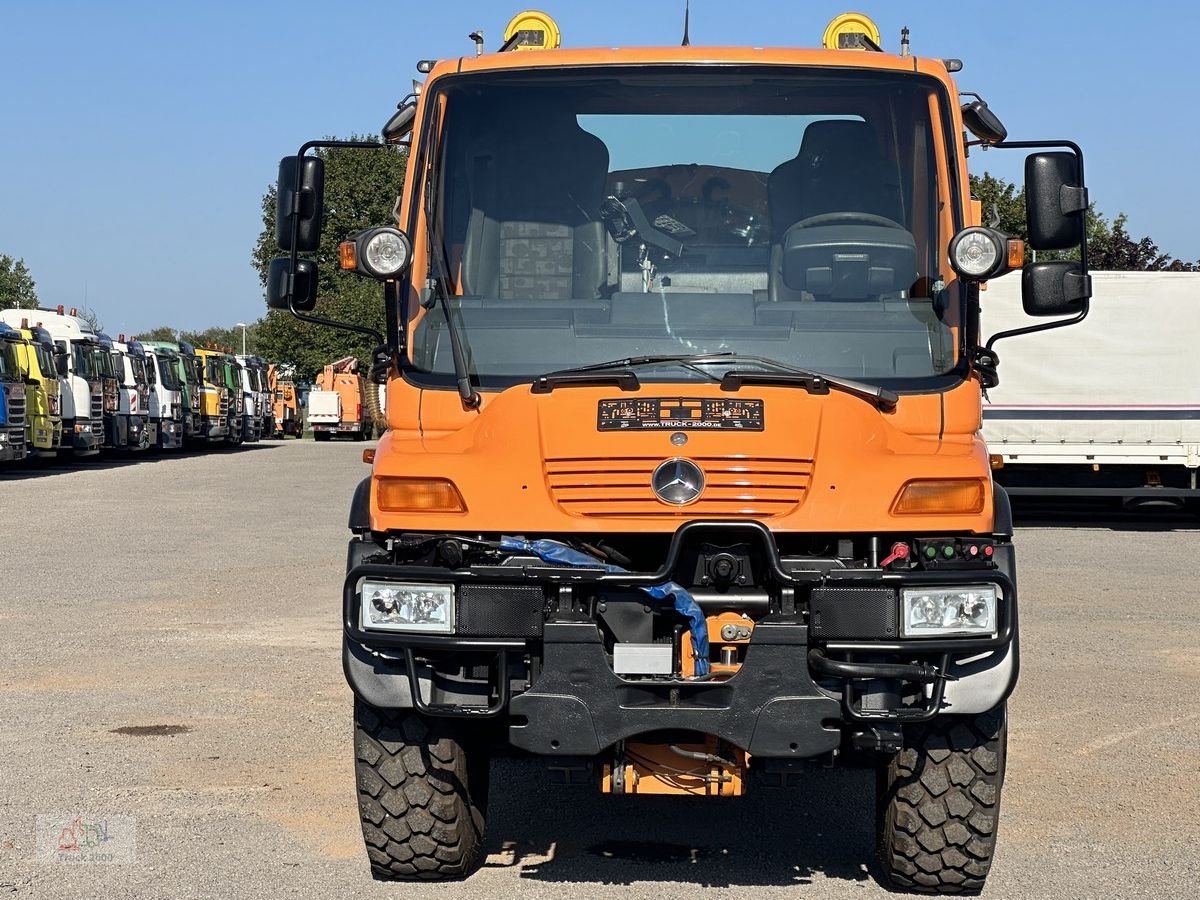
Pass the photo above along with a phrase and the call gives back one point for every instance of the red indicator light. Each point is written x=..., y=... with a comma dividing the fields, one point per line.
x=988, y=551
x=974, y=551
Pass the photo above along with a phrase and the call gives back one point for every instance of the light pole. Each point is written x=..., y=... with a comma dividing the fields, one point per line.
x=243, y=326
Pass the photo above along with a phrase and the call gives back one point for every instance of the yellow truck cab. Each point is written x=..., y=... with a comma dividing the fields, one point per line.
x=214, y=418
x=43, y=419
x=683, y=486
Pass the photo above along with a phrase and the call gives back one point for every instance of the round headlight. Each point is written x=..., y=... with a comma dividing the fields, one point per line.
x=978, y=253
x=385, y=252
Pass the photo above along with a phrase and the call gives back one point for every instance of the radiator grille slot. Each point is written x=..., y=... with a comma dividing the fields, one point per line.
x=759, y=487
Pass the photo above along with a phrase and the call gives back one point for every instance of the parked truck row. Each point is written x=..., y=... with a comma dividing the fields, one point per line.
x=69, y=390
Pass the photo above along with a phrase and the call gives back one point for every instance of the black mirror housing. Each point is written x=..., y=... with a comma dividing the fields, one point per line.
x=983, y=123
x=1055, y=201
x=1055, y=289
x=303, y=294
x=300, y=194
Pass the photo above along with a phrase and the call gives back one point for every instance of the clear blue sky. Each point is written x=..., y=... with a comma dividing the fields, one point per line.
x=138, y=137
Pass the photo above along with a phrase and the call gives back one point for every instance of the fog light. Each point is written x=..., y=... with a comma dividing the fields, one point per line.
x=391, y=606
x=944, y=612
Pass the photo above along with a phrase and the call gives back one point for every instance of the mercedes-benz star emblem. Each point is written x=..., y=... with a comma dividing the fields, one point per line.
x=678, y=482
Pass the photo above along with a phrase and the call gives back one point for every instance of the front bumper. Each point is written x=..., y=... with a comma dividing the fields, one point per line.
x=791, y=697
x=12, y=444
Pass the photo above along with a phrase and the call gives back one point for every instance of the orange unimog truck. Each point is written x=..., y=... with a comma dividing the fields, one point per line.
x=683, y=487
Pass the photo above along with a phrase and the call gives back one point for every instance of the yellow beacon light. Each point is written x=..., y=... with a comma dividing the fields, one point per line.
x=851, y=31
x=532, y=30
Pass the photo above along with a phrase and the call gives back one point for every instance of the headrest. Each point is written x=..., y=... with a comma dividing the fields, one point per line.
x=840, y=139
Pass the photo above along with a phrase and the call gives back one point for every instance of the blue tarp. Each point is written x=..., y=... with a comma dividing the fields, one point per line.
x=685, y=604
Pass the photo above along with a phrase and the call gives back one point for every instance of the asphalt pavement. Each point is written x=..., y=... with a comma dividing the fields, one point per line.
x=171, y=700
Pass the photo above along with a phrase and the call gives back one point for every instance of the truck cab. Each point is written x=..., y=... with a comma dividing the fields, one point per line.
x=247, y=377
x=12, y=397
x=180, y=358
x=215, y=418
x=129, y=425
x=683, y=486
x=166, y=396
x=76, y=359
x=43, y=420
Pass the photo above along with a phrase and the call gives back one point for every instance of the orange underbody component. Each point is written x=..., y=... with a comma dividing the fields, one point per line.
x=657, y=769
x=739, y=624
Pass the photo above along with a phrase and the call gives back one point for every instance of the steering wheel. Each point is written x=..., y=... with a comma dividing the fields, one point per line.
x=847, y=218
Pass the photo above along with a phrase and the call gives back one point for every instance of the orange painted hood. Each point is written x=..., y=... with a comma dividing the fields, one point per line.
x=537, y=463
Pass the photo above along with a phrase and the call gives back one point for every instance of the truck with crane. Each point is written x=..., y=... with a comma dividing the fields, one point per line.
x=337, y=405
x=683, y=487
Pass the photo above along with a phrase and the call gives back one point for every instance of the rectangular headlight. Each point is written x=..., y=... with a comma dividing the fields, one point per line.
x=946, y=612
x=394, y=606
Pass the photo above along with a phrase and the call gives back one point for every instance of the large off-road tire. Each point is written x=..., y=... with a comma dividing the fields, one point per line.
x=939, y=804
x=422, y=795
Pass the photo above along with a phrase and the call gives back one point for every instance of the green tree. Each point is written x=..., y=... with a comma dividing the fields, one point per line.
x=16, y=285
x=1118, y=252
x=361, y=187
x=161, y=333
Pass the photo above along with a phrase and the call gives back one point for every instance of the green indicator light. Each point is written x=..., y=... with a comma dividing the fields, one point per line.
x=931, y=552
x=948, y=551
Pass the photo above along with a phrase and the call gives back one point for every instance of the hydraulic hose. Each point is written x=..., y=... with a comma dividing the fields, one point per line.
x=374, y=409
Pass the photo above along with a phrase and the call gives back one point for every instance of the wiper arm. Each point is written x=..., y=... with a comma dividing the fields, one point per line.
x=814, y=382
x=631, y=362
x=437, y=251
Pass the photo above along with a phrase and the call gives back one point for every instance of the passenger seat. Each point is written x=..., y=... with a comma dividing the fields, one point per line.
x=534, y=231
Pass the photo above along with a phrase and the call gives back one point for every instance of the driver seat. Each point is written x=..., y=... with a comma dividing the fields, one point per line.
x=839, y=168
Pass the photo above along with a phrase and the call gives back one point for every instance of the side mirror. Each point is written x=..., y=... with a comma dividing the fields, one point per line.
x=1054, y=288
x=286, y=290
x=300, y=195
x=1055, y=201
x=983, y=123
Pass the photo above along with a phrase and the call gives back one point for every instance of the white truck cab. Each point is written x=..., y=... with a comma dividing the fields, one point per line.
x=133, y=397
x=166, y=412
x=76, y=347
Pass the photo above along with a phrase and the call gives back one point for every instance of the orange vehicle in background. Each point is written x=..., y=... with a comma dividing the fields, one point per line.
x=285, y=403
x=338, y=403
x=683, y=487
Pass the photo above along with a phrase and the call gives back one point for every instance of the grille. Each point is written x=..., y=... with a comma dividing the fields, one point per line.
x=500, y=610
x=16, y=405
x=747, y=486
x=844, y=613
x=97, y=406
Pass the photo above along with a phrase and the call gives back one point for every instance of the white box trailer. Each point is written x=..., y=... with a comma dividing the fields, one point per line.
x=1109, y=407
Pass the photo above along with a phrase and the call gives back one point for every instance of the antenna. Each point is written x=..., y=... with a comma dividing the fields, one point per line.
x=687, y=41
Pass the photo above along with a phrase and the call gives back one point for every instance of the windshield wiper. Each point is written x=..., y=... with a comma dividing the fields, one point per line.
x=780, y=373
x=814, y=382
x=620, y=371
x=437, y=252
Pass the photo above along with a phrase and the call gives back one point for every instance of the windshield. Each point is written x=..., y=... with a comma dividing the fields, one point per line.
x=170, y=370
x=8, y=359
x=45, y=361
x=104, y=362
x=797, y=216
x=89, y=359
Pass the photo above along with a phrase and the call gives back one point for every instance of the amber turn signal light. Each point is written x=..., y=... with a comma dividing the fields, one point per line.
x=940, y=496
x=369, y=456
x=418, y=495
x=1016, y=253
x=348, y=255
